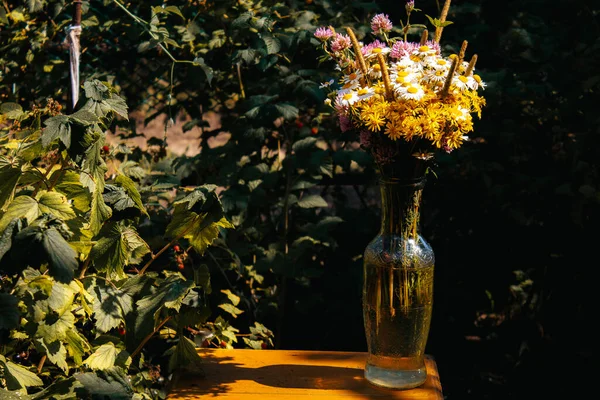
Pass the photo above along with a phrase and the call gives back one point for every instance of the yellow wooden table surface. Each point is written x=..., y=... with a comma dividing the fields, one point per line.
x=292, y=374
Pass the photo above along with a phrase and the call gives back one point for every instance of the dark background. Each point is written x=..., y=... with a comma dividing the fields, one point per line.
x=512, y=216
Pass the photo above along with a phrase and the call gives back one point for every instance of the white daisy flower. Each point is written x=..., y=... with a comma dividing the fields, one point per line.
x=440, y=63
x=353, y=77
x=480, y=84
x=462, y=67
x=412, y=92
x=349, y=86
x=365, y=92
x=348, y=98
x=372, y=49
x=460, y=82
x=375, y=71
x=425, y=54
x=412, y=63
x=326, y=84
x=436, y=76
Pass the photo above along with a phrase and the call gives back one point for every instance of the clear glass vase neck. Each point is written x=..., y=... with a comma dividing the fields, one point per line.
x=401, y=206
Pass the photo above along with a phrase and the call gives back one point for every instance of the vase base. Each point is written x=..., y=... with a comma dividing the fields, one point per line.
x=395, y=379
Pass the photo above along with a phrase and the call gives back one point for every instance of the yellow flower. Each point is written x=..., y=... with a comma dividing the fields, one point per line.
x=393, y=130
x=374, y=121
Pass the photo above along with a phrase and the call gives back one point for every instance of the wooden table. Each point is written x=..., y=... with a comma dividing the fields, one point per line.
x=291, y=374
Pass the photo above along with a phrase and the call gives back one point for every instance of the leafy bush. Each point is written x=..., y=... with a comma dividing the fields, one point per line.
x=526, y=185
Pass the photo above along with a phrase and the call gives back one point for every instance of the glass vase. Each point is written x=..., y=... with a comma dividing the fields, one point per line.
x=398, y=289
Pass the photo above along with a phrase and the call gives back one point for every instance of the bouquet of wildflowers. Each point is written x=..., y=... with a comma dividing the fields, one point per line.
x=403, y=97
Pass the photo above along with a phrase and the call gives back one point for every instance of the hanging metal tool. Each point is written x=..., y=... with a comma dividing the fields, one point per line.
x=73, y=33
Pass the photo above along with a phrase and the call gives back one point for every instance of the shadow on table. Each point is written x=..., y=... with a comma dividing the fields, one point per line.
x=222, y=375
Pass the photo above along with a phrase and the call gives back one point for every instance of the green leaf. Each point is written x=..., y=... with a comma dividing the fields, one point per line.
x=185, y=356
x=53, y=328
x=312, y=201
x=252, y=343
x=304, y=144
x=53, y=203
x=110, y=306
x=103, y=358
x=132, y=169
x=118, y=105
x=61, y=389
x=58, y=127
x=62, y=259
x=198, y=217
x=61, y=296
x=18, y=377
x=102, y=100
x=9, y=178
x=35, y=5
x=272, y=43
x=170, y=294
x=202, y=278
x=242, y=20
x=196, y=230
x=231, y=309
x=11, y=110
x=112, y=384
x=129, y=186
x=84, y=117
x=232, y=297
x=438, y=23
x=56, y=353
x=249, y=56
x=6, y=238
x=208, y=71
x=219, y=38
x=9, y=312
x=117, y=198
x=70, y=185
x=99, y=212
x=94, y=165
x=76, y=346
x=174, y=10
x=118, y=246
x=56, y=204
x=287, y=111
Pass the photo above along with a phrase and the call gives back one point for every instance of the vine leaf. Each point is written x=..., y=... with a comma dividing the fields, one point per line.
x=99, y=212
x=111, y=383
x=170, y=294
x=56, y=353
x=198, y=217
x=110, y=306
x=118, y=246
x=40, y=243
x=53, y=203
x=103, y=358
x=58, y=127
x=18, y=377
x=102, y=100
x=129, y=186
x=208, y=71
x=76, y=346
x=312, y=201
x=62, y=259
x=70, y=185
x=56, y=204
x=185, y=356
x=231, y=309
x=9, y=178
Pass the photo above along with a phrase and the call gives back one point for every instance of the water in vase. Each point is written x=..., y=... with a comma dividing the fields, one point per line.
x=397, y=313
